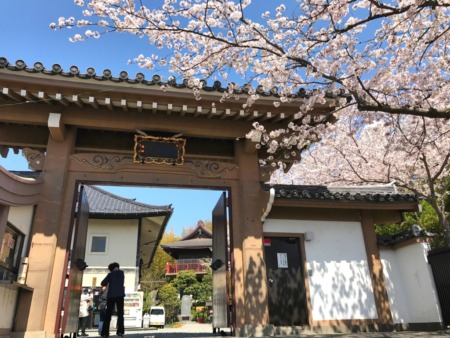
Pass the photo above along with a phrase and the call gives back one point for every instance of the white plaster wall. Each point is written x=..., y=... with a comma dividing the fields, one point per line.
x=394, y=281
x=411, y=288
x=8, y=296
x=121, y=248
x=339, y=278
x=22, y=218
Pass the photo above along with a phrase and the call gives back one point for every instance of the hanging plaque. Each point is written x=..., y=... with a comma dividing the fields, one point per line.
x=159, y=150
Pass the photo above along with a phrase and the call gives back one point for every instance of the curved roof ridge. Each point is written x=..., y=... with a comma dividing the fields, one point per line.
x=199, y=229
x=129, y=200
x=156, y=79
x=104, y=203
x=372, y=193
x=195, y=243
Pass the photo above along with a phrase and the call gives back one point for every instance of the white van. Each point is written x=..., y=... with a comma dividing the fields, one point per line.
x=157, y=316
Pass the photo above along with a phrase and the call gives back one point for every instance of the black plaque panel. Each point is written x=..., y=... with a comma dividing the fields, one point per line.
x=159, y=150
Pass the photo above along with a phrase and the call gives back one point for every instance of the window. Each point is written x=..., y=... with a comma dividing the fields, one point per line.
x=157, y=312
x=10, y=253
x=99, y=243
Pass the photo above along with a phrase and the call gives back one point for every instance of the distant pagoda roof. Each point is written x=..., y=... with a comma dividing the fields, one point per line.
x=199, y=231
x=199, y=238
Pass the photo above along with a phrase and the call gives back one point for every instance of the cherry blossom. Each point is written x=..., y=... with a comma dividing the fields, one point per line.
x=411, y=151
x=386, y=56
x=386, y=63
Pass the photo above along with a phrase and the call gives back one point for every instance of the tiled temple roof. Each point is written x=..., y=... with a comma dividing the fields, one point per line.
x=198, y=232
x=156, y=80
x=196, y=243
x=105, y=204
x=381, y=193
x=414, y=232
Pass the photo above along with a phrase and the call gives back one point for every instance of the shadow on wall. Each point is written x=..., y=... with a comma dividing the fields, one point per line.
x=341, y=290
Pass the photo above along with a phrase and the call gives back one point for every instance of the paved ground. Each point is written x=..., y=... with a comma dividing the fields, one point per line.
x=191, y=330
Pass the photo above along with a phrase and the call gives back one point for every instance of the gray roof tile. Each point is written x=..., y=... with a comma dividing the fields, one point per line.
x=103, y=204
x=369, y=193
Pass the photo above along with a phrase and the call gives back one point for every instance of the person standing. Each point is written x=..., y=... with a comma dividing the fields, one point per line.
x=85, y=302
x=115, y=281
x=102, y=301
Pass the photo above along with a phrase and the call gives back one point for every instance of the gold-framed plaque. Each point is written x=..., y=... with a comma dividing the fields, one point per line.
x=158, y=150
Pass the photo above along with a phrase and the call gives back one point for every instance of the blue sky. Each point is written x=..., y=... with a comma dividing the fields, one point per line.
x=26, y=35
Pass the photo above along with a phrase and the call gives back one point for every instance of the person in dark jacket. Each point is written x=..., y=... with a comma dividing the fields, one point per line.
x=102, y=301
x=116, y=292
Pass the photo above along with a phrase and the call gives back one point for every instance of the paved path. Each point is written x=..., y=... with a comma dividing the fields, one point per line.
x=192, y=330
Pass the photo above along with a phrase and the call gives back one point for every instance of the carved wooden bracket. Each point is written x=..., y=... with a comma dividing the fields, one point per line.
x=35, y=158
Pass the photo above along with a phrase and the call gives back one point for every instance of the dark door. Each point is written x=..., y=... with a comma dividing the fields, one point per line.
x=287, y=296
x=439, y=261
x=220, y=264
x=71, y=302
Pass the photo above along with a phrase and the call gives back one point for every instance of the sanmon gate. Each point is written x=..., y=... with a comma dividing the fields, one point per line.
x=80, y=128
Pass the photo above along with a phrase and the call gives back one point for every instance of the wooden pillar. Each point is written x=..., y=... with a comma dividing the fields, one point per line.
x=376, y=270
x=47, y=252
x=255, y=297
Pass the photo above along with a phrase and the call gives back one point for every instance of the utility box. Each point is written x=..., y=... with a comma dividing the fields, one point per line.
x=146, y=321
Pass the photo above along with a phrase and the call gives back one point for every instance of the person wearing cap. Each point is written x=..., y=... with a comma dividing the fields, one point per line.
x=85, y=303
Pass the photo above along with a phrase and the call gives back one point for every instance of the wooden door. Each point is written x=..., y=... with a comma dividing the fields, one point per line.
x=220, y=270
x=76, y=253
x=286, y=287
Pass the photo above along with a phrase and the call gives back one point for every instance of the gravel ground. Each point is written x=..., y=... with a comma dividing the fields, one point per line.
x=191, y=330
x=188, y=329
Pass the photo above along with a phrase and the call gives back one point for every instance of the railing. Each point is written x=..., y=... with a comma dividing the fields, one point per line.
x=198, y=266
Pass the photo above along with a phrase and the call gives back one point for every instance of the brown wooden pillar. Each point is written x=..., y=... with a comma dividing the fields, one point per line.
x=255, y=296
x=47, y=251
x=376, y=270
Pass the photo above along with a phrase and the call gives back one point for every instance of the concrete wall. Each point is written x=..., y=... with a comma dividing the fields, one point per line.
x=339, y=280
x=8, y=300
x=410, y=284
x=22, y=217
x=121, y=247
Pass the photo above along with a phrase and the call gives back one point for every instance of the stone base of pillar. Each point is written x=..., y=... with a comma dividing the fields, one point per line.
x=32, y=334
x=256, y=331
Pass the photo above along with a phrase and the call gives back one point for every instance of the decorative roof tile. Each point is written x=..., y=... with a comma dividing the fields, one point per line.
x=198, y=232
x=414, y=232
x=196, y=243
x=156, y=79
x=105, y=204
x=372, y=193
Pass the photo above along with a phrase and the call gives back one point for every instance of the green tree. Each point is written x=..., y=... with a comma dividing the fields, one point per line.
x=184, y=281
x=168, y=297
x=155, y=276
x=427, y=219
x=202, y=291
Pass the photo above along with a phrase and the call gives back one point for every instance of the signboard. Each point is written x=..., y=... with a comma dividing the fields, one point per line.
x=282, y=259
x=159, y=150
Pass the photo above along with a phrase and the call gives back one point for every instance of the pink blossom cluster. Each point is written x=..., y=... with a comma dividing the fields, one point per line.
x=384, y=63
x=387, y=56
